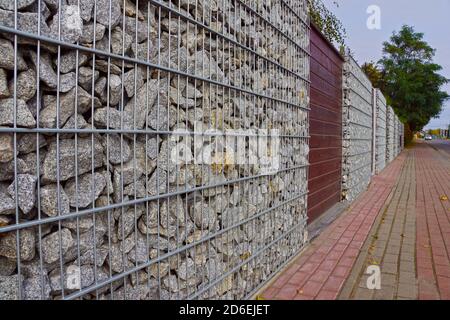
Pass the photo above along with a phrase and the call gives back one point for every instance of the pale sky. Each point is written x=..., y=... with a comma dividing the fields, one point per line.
x=431, y=17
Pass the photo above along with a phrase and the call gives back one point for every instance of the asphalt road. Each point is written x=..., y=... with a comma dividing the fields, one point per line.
x=442, y=145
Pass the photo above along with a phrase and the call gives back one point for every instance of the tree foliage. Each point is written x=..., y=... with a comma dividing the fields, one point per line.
x=410, y=78
x=327, y=22
x=374, y=73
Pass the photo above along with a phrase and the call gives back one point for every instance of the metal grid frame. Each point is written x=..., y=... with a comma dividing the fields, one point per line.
x=227, y=258
x=357, y=130
x=390, y=134
x=380, y=155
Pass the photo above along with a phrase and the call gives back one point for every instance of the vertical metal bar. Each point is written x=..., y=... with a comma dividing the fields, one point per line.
x=374, y=130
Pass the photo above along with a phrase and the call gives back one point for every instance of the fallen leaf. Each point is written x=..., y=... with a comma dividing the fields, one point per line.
x=444, y=198
x=259, y=297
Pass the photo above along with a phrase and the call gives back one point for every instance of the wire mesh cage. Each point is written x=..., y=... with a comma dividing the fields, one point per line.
x=390, y=134
x=357, y=130
x=120, y=121
x=381, y=129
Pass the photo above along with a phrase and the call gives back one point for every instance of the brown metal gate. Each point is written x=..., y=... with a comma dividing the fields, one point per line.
x=325, y=126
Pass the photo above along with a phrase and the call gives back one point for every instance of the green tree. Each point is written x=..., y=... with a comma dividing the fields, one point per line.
x=410, y=78
x=374, y=73
x=327, y=22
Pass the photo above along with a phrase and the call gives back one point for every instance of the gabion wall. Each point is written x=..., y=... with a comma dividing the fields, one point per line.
x=91, y=93
x=380, y=139
x=390, y=134
x=357, y=130
x=401, y=139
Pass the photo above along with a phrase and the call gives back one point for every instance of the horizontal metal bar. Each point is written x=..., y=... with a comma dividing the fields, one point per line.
x=192, y=20
x=180, y=249
x=253, y=256
x=358, y=154
x=145, y=63
x=358, y=168
x=80, y=213
x=253, y=11
x=359, y=125
x=145, y=131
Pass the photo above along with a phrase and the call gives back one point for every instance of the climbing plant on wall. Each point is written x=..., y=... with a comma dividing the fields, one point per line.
x=327, y=22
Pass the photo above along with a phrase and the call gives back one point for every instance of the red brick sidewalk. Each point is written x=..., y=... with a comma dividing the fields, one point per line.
x=433, y=223
x=320, y=271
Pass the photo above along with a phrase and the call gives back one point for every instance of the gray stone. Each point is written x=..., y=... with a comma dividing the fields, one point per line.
x=49, y=200
x=127, y=221
x=140, y=253
x=28, y=142
x=45, y=11
x=177, y=98
x=134, y=80
x=68, y=60
x=100, y=89
x=104, y=10
x=7, y=169
x=52, y=4
x=139, y=292
x=7, y=266
x=120, y=43
x=76, y=121
x=7, y=204
x=66, y=107
x=9, y=287
x=91, y=256
x=37, y=288
x=118, y=255
x=4, y=91
x=157, y=184
x=164, y=118
x=26, y=191
x=67, y=81
x=152, y=148
x=86, y=8
x=25, y=85
x=8, y=245
x=87, y=35
x=9, y=5
x=141, y=28
x=85, y=75
x=69, y=26
x=27, y=22
x=143, y=52
x=118, y=149
x=115, y=89
x=89, y=188
x=145, y=97
x=67, y=153
x=51, y=245
x=75, y=278
x=203, y=216
x=111, y=118
x=7, y=56
x=46, y=72
x=6, y=147
x=191, y=92
x=186, y=269
x=24, y=118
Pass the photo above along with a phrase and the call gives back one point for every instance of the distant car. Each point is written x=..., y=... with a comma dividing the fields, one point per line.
x=428, y=137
